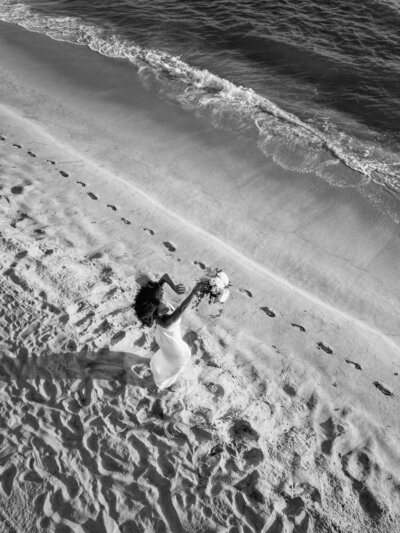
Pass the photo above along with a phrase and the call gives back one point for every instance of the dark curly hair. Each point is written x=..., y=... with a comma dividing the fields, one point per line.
x=146, y=303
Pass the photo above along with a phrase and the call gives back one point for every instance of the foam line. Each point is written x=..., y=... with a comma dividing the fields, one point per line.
x=203, y=89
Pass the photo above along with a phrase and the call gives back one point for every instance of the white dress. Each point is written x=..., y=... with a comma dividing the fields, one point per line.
x=173, y=354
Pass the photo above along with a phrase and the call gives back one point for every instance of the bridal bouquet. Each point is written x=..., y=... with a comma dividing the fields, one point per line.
x=215, y=287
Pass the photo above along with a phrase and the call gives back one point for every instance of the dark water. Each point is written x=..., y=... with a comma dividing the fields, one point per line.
x=345, y=52
x=317, y=80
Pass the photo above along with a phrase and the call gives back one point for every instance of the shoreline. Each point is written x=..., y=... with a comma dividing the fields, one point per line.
x=287, y=416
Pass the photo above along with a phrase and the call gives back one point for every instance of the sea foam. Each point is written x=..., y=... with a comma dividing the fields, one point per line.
x=291, y=142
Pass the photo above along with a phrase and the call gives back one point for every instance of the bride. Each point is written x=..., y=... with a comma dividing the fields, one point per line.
x=173, y=353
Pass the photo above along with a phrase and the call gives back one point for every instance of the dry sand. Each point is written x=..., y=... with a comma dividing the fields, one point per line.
x=287, y=419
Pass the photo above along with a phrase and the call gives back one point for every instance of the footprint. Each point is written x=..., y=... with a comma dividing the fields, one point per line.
x=294, y=508
x=22, y=216
x=126, y=221
x=169, y=246
x=217, y=390
x=106, y=274
x=51, y=162
x=112, y=207
x=242, y=430
x=17, y=145
x=298, y=326
x=92, y=196
x=63, y=174
x=290, y=391
x=383, y=388
x=324, y=347
x=95, y=255
x=356, y=365
x=18, y=189
x=253, y=457
x=7, y=479
x=64, y=318
x=117, y=337
x=32, y=477
x=201, y=265
x=141, y=341
x=216, y=450
x=81, y=183
x=367, y=500
x=246, y=292
x=149, y=231
x=201, y=434
x=156, y=409
x=248, y=485
x=268, y=312
x=21, y=255
x=31, y=154
x=332, y=431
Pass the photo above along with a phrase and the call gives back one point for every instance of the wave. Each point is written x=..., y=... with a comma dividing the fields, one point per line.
x=292, y=143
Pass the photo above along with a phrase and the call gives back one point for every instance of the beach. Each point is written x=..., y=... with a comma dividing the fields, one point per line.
x=287, y=419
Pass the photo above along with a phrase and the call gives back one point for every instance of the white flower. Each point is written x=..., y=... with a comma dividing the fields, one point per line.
x=215, y=290
x=212, y=281
x=224, y=296
x=224, y=278
x=219, y=285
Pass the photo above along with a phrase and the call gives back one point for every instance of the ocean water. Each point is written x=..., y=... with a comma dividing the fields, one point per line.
x=315, y=83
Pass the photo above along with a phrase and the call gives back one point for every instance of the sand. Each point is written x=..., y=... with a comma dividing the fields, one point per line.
x=287, y=419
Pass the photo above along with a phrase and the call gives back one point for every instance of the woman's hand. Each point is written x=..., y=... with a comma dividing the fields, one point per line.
x=175, y=315
x=197, y=288
x=179, y=288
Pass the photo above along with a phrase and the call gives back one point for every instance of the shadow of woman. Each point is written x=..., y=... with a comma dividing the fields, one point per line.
x=87, y=366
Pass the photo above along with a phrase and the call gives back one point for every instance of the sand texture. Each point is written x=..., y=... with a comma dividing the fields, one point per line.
x=286, y=419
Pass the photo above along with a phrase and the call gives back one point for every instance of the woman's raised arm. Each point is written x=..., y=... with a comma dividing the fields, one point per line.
x=179, y=288
x=168, y=320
